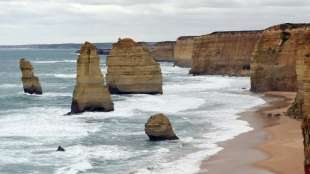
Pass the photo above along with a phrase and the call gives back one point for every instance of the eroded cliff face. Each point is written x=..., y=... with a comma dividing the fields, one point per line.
x=31, y=83
x=274, y=60
x=90, y=93
x=224, y=53
x=183, y=51
x=132, y=69
x=302, y=54
x=163, y=51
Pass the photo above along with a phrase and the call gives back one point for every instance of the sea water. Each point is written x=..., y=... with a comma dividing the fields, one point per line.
x=203, y=111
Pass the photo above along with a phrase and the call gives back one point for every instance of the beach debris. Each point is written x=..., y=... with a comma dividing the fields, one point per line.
x=31, y=83
x=90, y=93
x=158, y=128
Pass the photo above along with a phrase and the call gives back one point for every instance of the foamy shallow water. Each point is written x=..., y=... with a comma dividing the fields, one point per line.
x=203, y=110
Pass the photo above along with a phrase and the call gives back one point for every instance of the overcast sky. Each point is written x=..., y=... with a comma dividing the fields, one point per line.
x=63, y=21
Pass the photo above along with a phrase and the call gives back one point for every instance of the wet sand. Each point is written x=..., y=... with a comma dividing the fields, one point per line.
x=274, y=146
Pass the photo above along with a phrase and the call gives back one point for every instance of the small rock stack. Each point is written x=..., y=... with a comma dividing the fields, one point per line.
x=31, y=83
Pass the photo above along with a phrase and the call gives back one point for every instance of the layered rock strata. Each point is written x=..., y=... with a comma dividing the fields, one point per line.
x=31, y=83
x=274, y=60
x=132, y=69
x=224, y=53
x=158, y=127
x=163, y=51
x=183, y=51
x=90, y=92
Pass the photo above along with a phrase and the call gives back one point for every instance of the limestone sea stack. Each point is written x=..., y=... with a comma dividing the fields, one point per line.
x=274, y=60
x=183, y=51
x=132, y=69
x=158, y=127
x=90, y=92
x=31, y=83
x=163, y=51
x=306, y=120
x=302, y=55
x=224, y=53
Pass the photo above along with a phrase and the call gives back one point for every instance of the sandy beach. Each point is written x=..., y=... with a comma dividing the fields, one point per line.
x=267, y=149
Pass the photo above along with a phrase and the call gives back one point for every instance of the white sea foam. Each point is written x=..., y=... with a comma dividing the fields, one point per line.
x=46, y=123
x=6, y=86
x=65, y=76
x=53, y=61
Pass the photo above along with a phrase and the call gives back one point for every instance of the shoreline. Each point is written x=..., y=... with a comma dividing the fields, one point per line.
x=266, y=148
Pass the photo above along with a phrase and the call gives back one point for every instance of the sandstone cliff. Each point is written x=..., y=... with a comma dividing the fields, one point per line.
x=183, y=51
x=132, y=69
x=302, y=53
x=90, y=93
x=163, y=51
x=274, y=60
x=31, y=83
x=224, y=53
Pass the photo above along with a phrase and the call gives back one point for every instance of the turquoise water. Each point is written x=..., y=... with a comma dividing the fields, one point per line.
x=202, y=109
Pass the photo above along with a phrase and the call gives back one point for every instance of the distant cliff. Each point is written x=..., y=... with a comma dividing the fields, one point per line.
x=183, y=51
x=274, y=60
x=163, y=51
x=224, y=53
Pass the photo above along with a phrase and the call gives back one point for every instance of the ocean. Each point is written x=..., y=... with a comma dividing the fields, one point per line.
x=202, y=109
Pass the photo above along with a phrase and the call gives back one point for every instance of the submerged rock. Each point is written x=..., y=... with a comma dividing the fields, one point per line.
x=132, y=69
x=158, y=128
x=60, y=149
x=90, y=93
x=31, y=83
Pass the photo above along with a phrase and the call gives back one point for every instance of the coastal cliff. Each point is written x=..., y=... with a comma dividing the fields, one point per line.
x=163, y=51
x=31, y=83
x=132, y=69
x=183, y=51
x=274, y=60
x=90, y=93
x=224, y=53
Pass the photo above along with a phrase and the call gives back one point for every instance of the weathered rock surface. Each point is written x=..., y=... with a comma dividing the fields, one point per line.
x=158, y=127
x=90, y=93
x=306, y=105
x=303, y=52
x=132, y=69
x=183, y=51
x=31, y=83
x=224, y=53
x=274, y=60
x=163, y=51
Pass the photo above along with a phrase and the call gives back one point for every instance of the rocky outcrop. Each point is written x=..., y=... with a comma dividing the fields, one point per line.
x=90, y=93
x=274, y=60
x=163, y=51
x=306, y=108
x=31, y=83
x=158, y=127
x=183, y=51
x=224, y=53
x=132, y=69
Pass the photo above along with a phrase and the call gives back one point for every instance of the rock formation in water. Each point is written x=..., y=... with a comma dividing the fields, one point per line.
x=306, y=120
x=224, y=53
x=302, y=53
x=183, y=51
x=90, y=92
x=31, y=83
x=158, y=127
x=274, y=60
x=132, y=69
x=163, y=51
